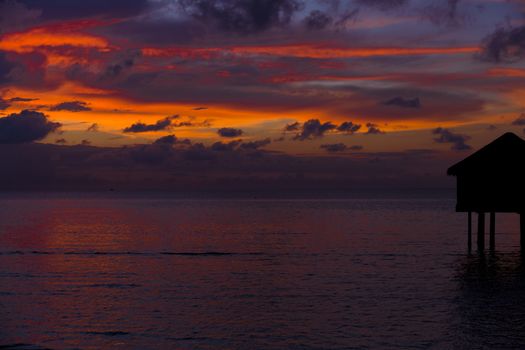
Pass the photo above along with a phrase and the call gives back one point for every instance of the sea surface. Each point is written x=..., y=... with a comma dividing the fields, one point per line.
x=120, y=271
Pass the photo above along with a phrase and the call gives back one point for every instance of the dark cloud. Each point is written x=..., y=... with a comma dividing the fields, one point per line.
x=349, y=127
x=348, y=16
x=317, y=20
x=164, y=31
x=166, y=124
x=255, y=145
x=313, y=128
x=22, y=99
x=440, y=99
x=122, y=65
x=382, y=4
x=85, y=142
x=171, y=140
x=292, y=127
x=177, y=122
x=225, y=147
x=6, y=67
x=520, y=120
x=166, y=140
x=403, y=102
x=458, y=141
x=373, y=129
x=114, y=70
x=93, y=128
x=504, y=45
x=163, y=124
x=26, y=126
x=200, y=108
x=61, y=141
x=195, y=84
x=4, y=104
x=183, y=124
x=66, y=9
x=14, y=15
x=25, y=69
x=191, y=122
x=38, y=166
x=242, y=16
x=151, y=155
x=356, y=148
x=444, y=12
x=186, y=142
x=71, y=106
x=229, y=132
x=334, y=147
x=198, y=152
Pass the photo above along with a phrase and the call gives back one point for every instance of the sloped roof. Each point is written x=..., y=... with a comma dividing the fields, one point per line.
x=507, y=151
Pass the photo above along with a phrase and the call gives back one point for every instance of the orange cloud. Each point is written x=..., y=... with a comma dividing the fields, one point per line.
x=184, y=52
x=313, y=51
x=507, y=72
x=290, y=78
x=55, y=40
x=306, y=51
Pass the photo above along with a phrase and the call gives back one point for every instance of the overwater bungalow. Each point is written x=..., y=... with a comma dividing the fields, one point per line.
x=492, y=180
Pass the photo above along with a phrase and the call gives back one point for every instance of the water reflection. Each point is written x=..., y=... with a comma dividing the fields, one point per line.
x=491, y=301
x=282, y=274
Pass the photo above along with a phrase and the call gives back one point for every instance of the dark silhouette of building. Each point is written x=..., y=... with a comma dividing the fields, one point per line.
x=492, y=180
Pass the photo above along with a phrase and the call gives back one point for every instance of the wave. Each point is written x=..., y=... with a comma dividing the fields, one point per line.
x=114, y=285
x=22, y=346
x=108, y=333
x=207, y=253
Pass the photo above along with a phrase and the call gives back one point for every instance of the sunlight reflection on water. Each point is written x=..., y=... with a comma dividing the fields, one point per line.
x=155, y=273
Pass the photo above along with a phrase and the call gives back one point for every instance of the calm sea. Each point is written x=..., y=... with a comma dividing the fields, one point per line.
x=150, y=272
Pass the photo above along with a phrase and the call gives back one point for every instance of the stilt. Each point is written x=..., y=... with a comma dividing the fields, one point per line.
x=469, y=231
x=481, y=231
x=492, y=230
x=522, y=230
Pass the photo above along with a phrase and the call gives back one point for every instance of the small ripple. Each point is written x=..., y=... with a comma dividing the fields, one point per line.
x=15, y=252
x=105, y=253
x=17, y=275
x=22, y=346
x=114, y=285
x=131, y=253
x=207, y=253
x=284, y=233
x=188, y=338
x=108, y=333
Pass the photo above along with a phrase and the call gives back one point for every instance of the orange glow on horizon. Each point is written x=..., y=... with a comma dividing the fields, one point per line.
x=113, y=113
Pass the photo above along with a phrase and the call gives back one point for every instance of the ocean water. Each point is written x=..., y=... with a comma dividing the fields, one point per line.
x=139, y=272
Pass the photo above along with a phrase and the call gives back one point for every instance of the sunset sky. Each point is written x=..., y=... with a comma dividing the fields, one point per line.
x=294, y=77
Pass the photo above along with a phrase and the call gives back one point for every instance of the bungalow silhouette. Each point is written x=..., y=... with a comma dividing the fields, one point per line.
x=492, y=180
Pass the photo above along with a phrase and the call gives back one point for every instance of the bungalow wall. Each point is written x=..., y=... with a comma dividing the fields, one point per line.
x=491, y=191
